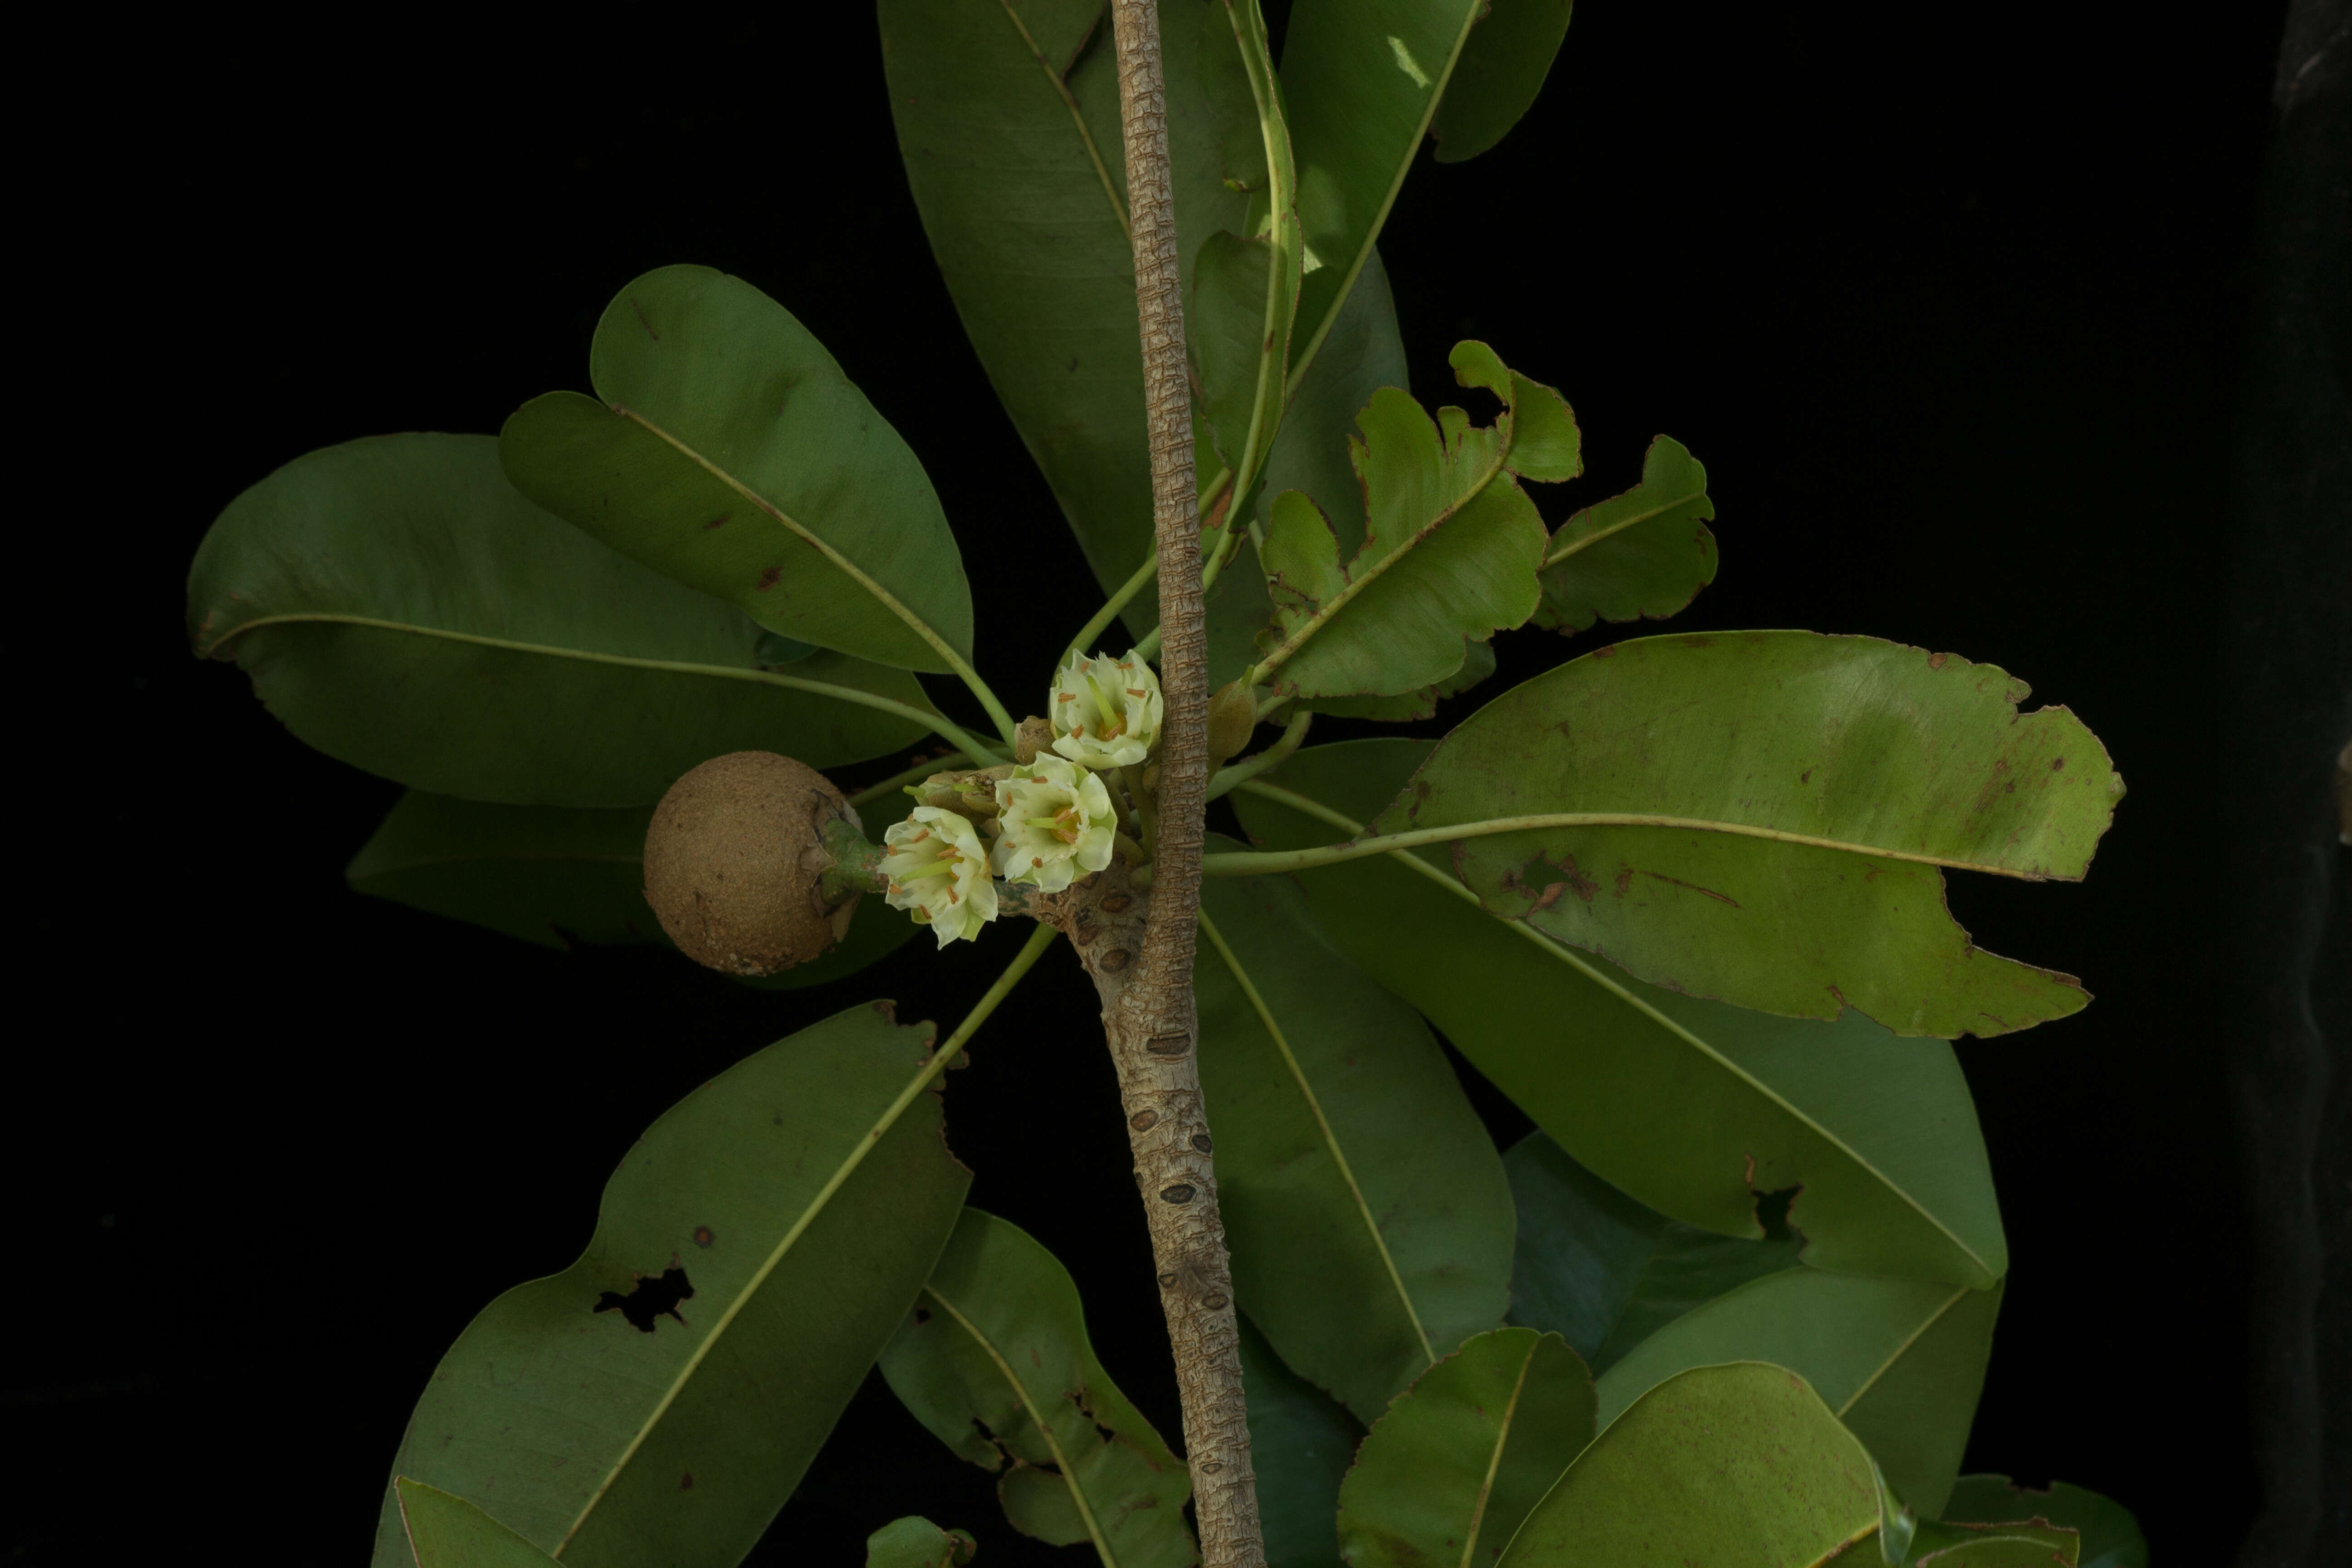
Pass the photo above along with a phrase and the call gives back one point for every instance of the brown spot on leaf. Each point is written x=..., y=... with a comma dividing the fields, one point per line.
x=716, y=522
x=1937, y=661
x=770, y=577
x=1693, y=886
x=704, y=1235
x=1624, y=881
x=2057, y=765
x=685, y=1481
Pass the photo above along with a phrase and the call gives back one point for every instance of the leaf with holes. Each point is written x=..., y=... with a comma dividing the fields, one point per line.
x=2110, y=1537
x=1645, y=554
x=401, y=607
x=752, y=1254
x=1450, y=1472
x=447, y=1531
x=994, y=1359
x=1450, y=549
x=1301, y=1440
x=556, y=874
x=1361, y=80
x=1367, y=1211
x=1735, y=1466
x=1501, y=70
x=1762, y=817
x=1692, y=1107
x=1901, y=1361
x=915, y=1542
x=1606, y=1272
x=726, y=448
x=1007, y=115
x=1995, y=1546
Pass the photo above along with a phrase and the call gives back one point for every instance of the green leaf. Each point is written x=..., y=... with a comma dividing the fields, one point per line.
x=1363, y=352
x=994, y=1359
x=447, y=1531
x=1996, y=1546
x=1734, y=1467
x=1245, y=290
x=1007, y=117
x=915, y=1542
x=1360, y=79
x=1448, y=559
x=1691, y=1107
x=1606, y=1272
x=1900, y=1361
x=1501, y=70
x=1367, y=1211
x=1450, y=1472
x=1301, y=1441
x=800, y=1197
x=401, y=607
x=1406, y=707
x=726, y=448
x=2111, y=1537
x=1646, y=552
x=1791, y=796
x=553, y=875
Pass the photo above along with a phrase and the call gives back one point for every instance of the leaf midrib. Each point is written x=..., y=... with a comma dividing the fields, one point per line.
x=1302, y=362
x=1587, y=541
x=1323, y=1124
x=1495, y=1459
x=1077, y=118
x=1036, y=1419
x=851, y=694
x=866, y=1143
x=1330, y=607
x=1557, y=949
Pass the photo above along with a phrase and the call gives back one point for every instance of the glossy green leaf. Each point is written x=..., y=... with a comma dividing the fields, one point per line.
x=447, y=1531
x=1449, y=555
x=1007, y=116
x=726, y=448
x=1363, y=352
x=1796, y=794
x=1996, y=1546
x=1367, y=1212
x=1733, y=1467
x=1646, y=552
x=1406, y=707
x=1606, y=1272
x=1301, y=1442
x=1246, y=285
x=994, y=1360
x=1501, y=70
x=401, y=607
x=556, y=874
x=1448, y=1475
x=915, y=1542
x=2110, y=1536
x=1900, y=1361
x=1362, y=79
x=1692, y=1107
x=800, y=1197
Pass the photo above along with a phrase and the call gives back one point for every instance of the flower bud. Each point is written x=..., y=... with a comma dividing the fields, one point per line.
x=1106, y=713
x=1232, y=718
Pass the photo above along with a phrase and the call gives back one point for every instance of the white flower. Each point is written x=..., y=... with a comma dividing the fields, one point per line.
x=1054, y=820
x=1106, y=711
x=939, y=874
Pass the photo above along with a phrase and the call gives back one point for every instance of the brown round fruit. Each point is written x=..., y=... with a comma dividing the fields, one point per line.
x=734, y=860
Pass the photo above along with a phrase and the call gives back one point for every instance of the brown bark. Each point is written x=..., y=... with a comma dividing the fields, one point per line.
x=1136, y=947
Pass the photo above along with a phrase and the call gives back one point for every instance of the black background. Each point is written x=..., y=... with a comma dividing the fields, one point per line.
x=1948, y=306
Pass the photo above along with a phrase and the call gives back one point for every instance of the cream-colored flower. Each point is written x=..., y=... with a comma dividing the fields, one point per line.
x=939, y=874
x=1054, y=821
x=1106, y=711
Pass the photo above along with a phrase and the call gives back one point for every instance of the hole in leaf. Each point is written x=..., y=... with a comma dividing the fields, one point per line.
x=1772, y=1212
x=656, y=1296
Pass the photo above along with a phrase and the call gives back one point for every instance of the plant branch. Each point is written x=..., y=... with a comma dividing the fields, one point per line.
x=1147, y=995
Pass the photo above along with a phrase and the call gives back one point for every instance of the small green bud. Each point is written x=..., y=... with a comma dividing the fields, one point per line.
x=1232, y=717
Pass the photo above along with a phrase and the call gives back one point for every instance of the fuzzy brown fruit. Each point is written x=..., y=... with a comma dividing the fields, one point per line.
x=735, y=859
